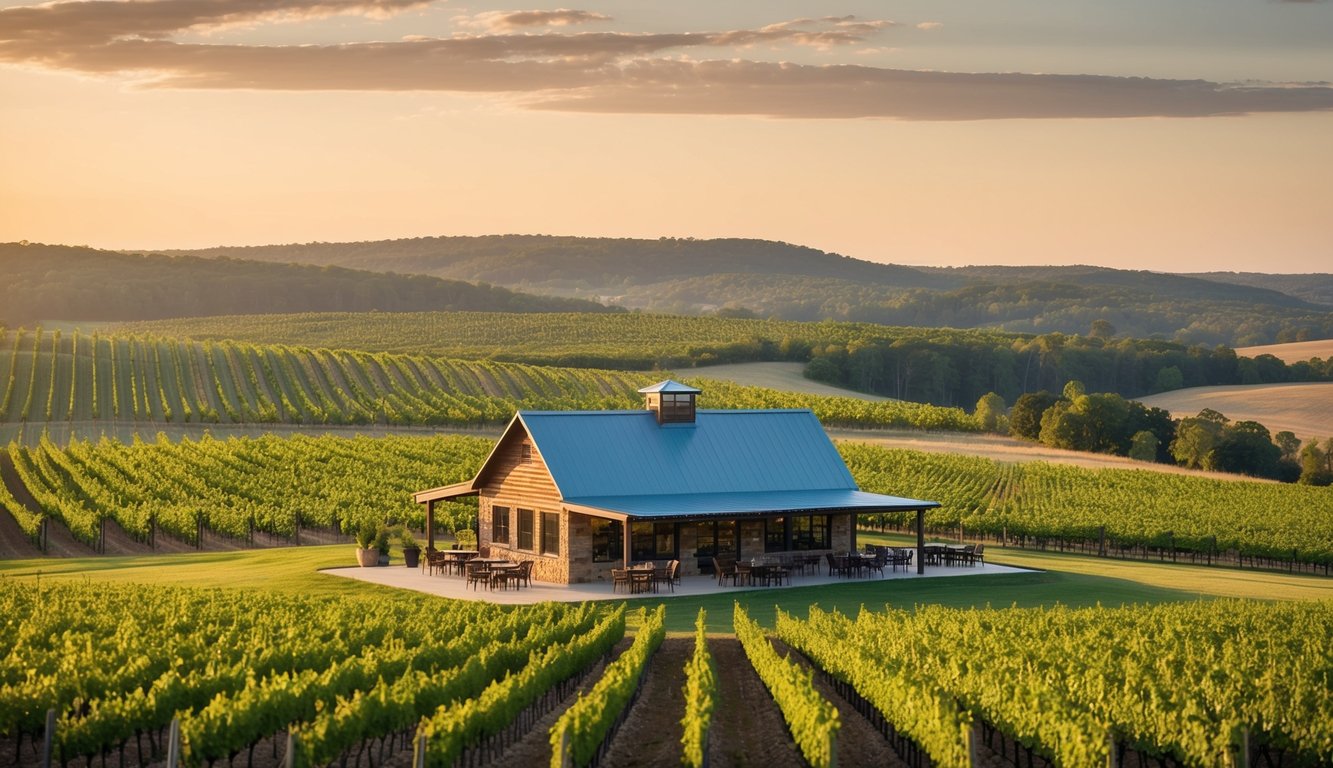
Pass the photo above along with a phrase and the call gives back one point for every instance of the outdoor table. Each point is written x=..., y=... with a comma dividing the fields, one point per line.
x=641, y=580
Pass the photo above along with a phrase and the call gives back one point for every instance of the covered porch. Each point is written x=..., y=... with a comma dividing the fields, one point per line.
x=456, y=587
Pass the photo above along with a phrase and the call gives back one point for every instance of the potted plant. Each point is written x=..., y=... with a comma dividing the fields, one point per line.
x=411, y=550
x=382, y=545
x=366, y=552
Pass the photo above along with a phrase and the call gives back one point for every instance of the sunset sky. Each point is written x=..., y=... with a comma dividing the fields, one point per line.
x=1186, y=135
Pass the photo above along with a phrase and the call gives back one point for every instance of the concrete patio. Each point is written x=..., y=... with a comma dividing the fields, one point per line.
x=453, y=586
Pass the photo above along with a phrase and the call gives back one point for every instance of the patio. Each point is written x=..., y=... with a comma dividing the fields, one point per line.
x=453, y=586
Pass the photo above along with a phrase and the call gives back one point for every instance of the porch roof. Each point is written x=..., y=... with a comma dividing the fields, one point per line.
x=747, y=503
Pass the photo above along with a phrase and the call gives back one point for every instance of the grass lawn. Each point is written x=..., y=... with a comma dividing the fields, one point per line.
x=1065, y=578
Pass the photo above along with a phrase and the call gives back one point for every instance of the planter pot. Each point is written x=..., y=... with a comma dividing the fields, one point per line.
x=412, y=556
x=367, y=557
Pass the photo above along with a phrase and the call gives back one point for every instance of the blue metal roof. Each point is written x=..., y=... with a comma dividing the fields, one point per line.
x=755, y=503
x=627, y=453
x=670, y=386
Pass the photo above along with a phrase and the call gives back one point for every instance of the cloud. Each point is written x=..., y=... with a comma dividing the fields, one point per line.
x=929, y=25
x=587, y=71
x=847, y=91
x=503, y=21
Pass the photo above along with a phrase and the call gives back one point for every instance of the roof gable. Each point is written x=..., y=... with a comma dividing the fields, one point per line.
x=626, y=453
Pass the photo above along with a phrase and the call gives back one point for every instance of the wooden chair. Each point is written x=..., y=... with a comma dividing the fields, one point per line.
x=744, y=574
x=836, y=568
x=978, y=555
x=619, y=576
x=522, y=576
x=667, y=575
x=724, y=569
x=477, y=573
x=877, y=563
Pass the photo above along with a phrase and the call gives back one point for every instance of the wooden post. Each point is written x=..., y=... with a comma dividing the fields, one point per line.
x=289, y=756
x=419, y=751
x=974, y=744
x=1243, y=749
x=174, y=743
x=855, y=522
x=48, y=737
x=920, y=542
x=624, y=530
x=565, y=750
x=430, y=524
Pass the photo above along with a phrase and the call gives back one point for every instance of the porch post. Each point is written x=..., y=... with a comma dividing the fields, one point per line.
x=855, y=520
x=920, y=542
x=624, y=547
x=430, y=525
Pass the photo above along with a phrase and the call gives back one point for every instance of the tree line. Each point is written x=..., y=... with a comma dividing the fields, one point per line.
x=1105, y=422
x=959, y=369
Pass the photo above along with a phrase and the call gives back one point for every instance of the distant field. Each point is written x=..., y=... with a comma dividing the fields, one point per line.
x=1305, y=409
x=1294, y=352
x=787, y=377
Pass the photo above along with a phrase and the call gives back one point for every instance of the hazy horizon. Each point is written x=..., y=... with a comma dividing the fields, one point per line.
x=1181, y=138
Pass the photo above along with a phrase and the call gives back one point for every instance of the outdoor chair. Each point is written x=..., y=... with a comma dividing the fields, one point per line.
x=777, y=573
x=876, y=563
x=523, y=575
x=667, y=575
x=477, y=574
x=834, y=567
x=724, y=569
x=979, y=555
x=619, y=576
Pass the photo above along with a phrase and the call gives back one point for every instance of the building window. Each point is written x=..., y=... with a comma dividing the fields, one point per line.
x=550, y=533
x=677, y=407
x=715, y=538
x=500, y=525
x=812, y=532
x=652, y=541
x=525, y=529
x=775, y=534
x=608, y=540
x=525, y=453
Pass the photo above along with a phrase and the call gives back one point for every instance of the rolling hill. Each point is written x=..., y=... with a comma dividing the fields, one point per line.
x=773, y=279
x=72, y=283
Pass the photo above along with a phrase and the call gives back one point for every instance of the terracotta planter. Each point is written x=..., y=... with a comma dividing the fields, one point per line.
x=412, y=556
x=367, y=557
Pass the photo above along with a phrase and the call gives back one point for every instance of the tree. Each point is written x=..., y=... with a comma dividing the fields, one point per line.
x=1288, y=442
x=990, y=413
x=1025, y=416
x=1144, y=446
x=1245, y=447
x=1169, y=378
x=1073, y=389
x=1314, y=466
x=1102, y=329
x=1196, y=437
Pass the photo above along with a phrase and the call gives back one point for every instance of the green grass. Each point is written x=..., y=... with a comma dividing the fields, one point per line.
x=1066, y=579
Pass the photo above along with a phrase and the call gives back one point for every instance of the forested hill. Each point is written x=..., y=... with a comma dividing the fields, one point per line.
x=772, y=279
x=586, y=261
x=56, y=282
x=1316, y=288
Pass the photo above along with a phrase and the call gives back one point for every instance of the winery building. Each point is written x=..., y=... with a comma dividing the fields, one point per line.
x=582, y=492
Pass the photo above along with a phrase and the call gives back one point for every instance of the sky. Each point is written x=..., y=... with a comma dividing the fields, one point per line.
x=1190, y=135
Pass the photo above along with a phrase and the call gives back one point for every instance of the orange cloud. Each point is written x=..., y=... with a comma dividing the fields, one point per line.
x=593, y=71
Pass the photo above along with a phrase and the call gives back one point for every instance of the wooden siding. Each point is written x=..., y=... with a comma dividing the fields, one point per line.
x=518, y=484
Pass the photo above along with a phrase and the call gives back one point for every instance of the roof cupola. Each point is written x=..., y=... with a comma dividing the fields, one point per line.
x=672, y=401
